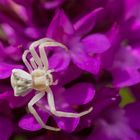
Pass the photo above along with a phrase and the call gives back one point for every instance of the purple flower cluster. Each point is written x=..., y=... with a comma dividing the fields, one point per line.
x=101, y=68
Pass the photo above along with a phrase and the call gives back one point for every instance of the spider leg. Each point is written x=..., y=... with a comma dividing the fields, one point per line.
x=34, y=53
x=61, y=113
x=34, y=100
x=24, y=58
x=33, y=63
x=49, y=73
x=43, y=53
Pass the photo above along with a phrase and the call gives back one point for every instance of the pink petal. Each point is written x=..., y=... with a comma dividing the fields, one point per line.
x=60, y=27
x=79, y=94
x=13, y=102
x=6, y=69
x=86, y=62
x=125, y=77
x=53, y=4
x=59, y=61
x=28, y=122
x=85, y=24
x=96, y=43
x=65, y=123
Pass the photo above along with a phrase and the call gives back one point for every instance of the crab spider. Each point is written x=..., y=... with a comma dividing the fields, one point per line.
x=40, y=79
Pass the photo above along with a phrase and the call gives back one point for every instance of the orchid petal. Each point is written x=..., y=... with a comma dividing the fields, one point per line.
x=65, y=123
x=85, y=91
x=60, y=27
x=96, y=43
x=87, y=22
x=125, y=77
x=59, y=61
x=6, y=69
x=28, y=122
x=86, y=62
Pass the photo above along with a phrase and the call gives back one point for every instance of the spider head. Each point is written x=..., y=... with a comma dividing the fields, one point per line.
x=41, y=79
x=21, y=82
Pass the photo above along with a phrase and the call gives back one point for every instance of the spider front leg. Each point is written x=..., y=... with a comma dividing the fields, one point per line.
x=61, y=113
x=34, y=53
x=43, y=52
x=32, y=61
x=30, y=66
x=33, y=101
x=24, y=58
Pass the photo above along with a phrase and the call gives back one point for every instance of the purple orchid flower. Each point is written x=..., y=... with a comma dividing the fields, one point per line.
x=124, y=69
x=81, y=50
x=113, y=127
x=65, y=99
x=105, y=105
x=10, y=59
x=93, y=46
x=106, y=18
x=7, y=94
x=132, y=8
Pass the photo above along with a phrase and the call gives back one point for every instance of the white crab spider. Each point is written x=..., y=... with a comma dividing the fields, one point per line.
x=40, y=79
